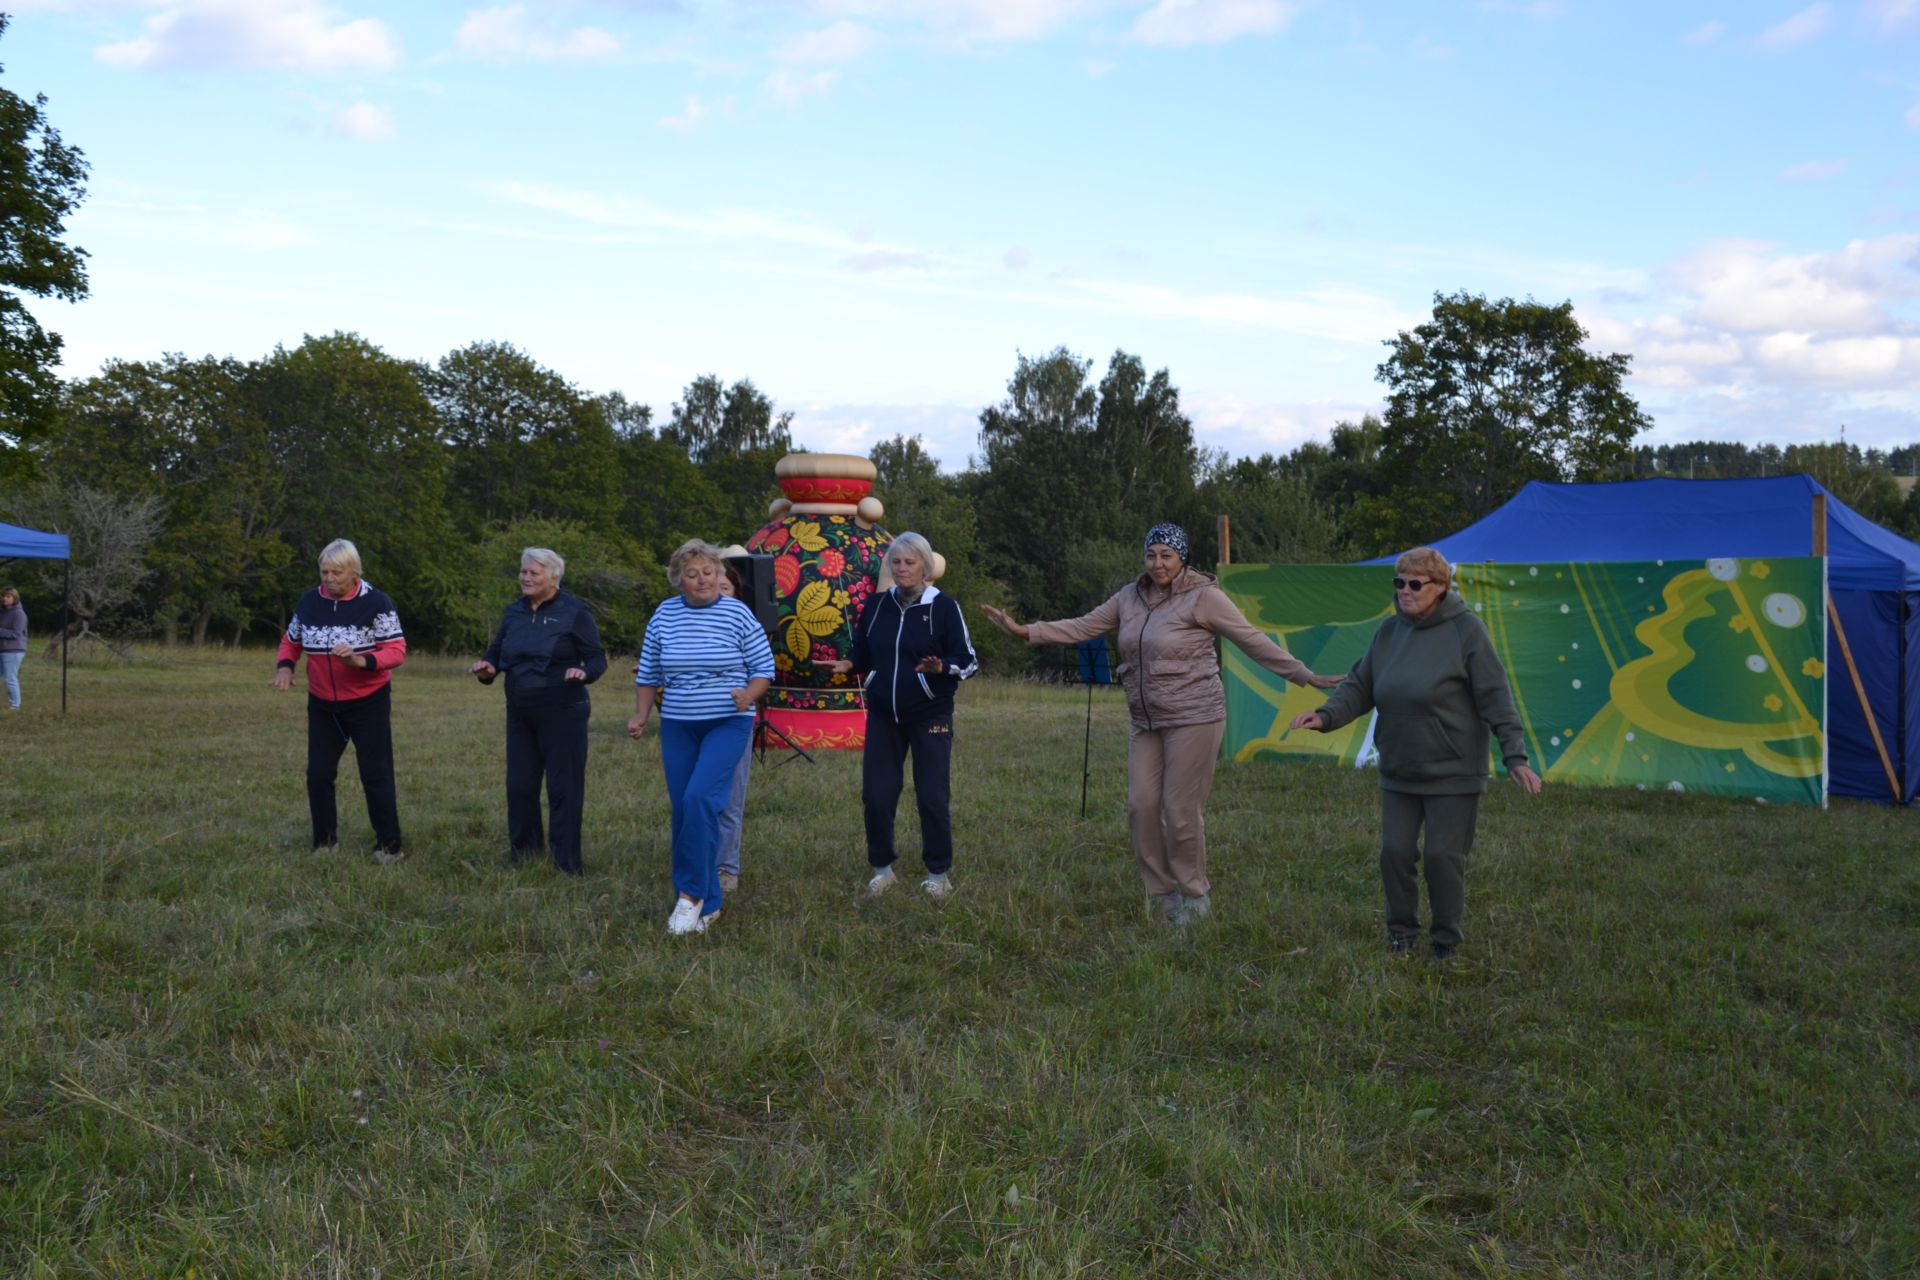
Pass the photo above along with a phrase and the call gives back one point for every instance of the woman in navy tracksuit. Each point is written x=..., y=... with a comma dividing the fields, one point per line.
x=549, y=647
x=911, y=645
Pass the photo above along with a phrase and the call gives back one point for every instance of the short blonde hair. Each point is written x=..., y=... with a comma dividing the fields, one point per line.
x=692, y=549
x=549, y=560
x=341, y=552
x=1427, y=563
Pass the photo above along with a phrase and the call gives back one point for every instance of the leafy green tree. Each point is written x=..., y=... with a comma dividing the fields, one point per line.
x=1276, y=517
x=919, y=497
x=1483, y=398
x=665, y=497
x=714, y=421
x=523, y=441
x=359, y=443
x=1071, y=475
x=191, y=432
x=42, y=181
x=109, y=535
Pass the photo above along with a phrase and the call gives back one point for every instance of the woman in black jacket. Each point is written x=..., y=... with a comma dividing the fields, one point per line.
x=912, y=646
x=549, y=647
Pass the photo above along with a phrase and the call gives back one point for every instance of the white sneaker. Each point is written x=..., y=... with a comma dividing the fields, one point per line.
x=937, y=886
x=686, y=918
x=881, y=882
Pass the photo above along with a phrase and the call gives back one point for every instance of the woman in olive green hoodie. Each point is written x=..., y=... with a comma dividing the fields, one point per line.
x=1432, y=674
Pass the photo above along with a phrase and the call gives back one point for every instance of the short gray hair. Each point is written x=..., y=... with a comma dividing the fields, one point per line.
x=341, y=552
x=914, y=543
x=692, y=549
x=549, y=560
x=1425, y=560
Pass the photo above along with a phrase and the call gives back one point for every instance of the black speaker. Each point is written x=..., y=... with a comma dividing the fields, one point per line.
x=756, y=588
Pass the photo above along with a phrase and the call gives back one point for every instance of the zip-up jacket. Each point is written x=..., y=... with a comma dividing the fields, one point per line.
x=1442, y=695
x=365, y=620
x=890, y=641
x=1167, y=661
x=534, y=648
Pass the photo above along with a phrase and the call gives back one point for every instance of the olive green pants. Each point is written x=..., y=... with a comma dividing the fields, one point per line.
x=1449, y=822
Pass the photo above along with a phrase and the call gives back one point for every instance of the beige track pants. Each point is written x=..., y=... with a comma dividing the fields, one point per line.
x=1169, y=775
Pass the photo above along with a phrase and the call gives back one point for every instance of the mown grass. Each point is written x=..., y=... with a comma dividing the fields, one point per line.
x=1680, y=1040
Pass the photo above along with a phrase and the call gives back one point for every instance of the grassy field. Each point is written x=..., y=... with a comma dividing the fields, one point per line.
x=1679, y=1041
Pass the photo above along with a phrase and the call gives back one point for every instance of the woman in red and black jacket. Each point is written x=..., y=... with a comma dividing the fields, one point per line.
x=912, y=645
x=351, y=635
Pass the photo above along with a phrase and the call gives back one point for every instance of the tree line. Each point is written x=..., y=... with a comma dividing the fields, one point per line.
x=199, y=490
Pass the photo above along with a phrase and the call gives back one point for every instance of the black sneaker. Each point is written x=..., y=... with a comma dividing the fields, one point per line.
x=1443, y=951
x=1396, y=945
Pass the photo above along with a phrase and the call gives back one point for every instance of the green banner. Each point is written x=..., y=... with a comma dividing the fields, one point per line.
x=1686, y=675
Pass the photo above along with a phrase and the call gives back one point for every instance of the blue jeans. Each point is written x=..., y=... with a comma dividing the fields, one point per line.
x=732, y=821
x=698, y=758
x=10, y=669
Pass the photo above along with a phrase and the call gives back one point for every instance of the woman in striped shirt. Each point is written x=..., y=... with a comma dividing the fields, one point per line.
x=705, y=661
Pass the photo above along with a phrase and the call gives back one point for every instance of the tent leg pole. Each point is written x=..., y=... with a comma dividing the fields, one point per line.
x=1860, y=692
x=66, y=624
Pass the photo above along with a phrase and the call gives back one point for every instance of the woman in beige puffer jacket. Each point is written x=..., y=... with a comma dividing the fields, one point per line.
x=1166, y=622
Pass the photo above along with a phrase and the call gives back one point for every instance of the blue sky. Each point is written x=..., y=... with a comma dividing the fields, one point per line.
x=870, y=206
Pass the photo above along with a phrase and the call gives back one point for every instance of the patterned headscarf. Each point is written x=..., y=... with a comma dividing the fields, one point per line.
x=1168, y=534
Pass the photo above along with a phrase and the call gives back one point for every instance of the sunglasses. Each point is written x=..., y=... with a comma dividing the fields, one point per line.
x=1414, y=584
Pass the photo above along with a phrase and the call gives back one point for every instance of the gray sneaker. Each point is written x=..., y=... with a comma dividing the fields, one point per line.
x=1193, y=909
x=883, y=880
x=1166, y=905
x=729, y=882
x=937, y=886
x=387, y=857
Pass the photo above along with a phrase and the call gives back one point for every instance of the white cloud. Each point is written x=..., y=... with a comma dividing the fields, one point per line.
x=1182, y=22
x=1814, y=170
x=1538, y=10
x=1705, y=33
x=841, y=42
x=281, y=35
x=697, y=114
x=507, y=34
x=1797, y=30
x=1894, y=14
x=1245, y=427
x=1745, y=287
x=364, y=122
x=965, y=20
x=1841, y=362
x=790, y=87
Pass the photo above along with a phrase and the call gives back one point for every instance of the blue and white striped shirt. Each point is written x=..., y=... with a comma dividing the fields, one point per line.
x=699, y=656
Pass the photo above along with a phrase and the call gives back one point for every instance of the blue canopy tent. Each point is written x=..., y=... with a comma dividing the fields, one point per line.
x=17, y=543
x=1873, y=588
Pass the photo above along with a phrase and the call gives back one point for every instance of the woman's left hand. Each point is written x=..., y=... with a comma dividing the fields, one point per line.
x=931, y=665
x=742, y=700
x=1525, y=779
x=575, y=674
x=1325, y=682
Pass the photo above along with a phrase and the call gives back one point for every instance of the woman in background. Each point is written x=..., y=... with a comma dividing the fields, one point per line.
x=707, y=654
x=13, y=643
x=912, y=645
x=733, y=821
x=1165, y=624
x=350, y=633
x=548, y=646
x=1439, y=687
